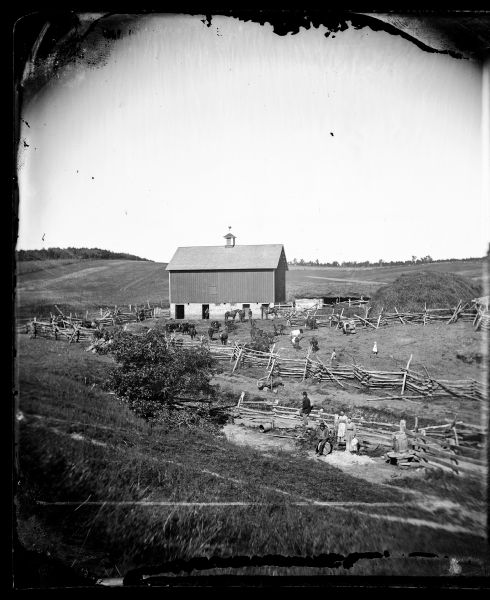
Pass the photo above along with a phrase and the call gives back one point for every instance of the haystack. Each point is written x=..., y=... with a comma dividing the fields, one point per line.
x=413, y=291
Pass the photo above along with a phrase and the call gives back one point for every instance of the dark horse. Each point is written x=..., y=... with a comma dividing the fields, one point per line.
x=231, y=313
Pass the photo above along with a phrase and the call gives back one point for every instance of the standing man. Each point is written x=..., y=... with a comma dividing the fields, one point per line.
x=333, y=357
x=375, y=349
x=249, y=314
x=206, y=313
x=306, y=408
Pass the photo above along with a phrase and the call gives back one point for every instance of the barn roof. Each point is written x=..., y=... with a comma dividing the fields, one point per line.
x=220, y=258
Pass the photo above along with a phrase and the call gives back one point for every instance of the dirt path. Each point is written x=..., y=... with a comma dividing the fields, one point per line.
x=374, y=470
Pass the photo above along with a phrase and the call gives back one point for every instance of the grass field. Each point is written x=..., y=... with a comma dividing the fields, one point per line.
x=336, y=281
x=89, y=284
x=79, y=445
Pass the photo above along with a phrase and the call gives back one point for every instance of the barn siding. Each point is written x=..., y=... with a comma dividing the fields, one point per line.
x=221, y=286
x=280, y=285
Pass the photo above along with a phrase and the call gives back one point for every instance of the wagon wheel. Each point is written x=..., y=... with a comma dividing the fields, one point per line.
x=327, y=449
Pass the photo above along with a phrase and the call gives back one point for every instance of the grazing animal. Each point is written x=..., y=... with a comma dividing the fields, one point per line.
x=270, y=385
x=311, y=323
x=295, y=341
x=223, y=336
x=278, y=329
x=184, y=327
x=211, y=333
x=314, y=344
x=296, y=332
x=215, y=325
x=231, y=313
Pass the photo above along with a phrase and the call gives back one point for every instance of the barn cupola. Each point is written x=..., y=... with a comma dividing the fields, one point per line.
x=230, y=239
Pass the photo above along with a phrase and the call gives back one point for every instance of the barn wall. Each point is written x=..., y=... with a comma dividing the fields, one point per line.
x=193, y=310
x=221, y=286
x=280, y=285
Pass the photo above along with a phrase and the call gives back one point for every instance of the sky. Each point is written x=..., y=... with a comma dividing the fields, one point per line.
x=359, y=146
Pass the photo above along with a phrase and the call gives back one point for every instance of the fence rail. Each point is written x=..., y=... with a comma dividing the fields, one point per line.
x=451, y=446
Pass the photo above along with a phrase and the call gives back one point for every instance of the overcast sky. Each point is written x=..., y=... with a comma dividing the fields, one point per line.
x=359, y=146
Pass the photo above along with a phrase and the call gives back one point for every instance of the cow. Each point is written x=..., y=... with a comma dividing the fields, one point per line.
x=223, y=336
x=314, y=344
x=185, y=328
x=230, y=326
x=296, y=333
x=279, y=329
x=295, y=341
x=311, y=323
x=270, y=385
x=215, y=325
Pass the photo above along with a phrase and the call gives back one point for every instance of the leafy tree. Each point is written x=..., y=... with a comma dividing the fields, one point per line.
x=152, y=378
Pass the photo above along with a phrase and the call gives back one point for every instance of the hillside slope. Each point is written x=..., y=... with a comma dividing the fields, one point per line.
x=80, y=285
x=88, y=284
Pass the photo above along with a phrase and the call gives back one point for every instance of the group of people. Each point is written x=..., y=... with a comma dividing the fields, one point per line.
x=344, y=429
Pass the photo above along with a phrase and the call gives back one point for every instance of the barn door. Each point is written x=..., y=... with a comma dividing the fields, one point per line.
x=179, y=311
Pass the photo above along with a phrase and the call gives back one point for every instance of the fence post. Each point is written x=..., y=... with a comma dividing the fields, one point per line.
x=405, y=374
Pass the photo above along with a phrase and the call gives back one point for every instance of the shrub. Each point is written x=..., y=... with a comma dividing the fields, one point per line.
x=152, y=379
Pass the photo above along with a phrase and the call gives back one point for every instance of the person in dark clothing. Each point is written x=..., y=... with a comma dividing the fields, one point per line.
x=324, y=438
x=306, y=408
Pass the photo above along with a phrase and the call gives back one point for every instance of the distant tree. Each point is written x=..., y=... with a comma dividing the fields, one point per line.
x=74, y=253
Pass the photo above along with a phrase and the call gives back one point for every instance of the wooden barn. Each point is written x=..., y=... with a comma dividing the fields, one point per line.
x=207, y=281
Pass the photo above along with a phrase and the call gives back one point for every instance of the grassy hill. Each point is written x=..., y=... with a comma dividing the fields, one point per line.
x=80, y=285
x=338, y=281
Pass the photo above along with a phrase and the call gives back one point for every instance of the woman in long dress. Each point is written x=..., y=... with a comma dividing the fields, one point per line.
x=342, y=423
x=350, y=433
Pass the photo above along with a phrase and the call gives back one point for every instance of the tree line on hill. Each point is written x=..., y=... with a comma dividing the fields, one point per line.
x=380, y=263
x=78, y=253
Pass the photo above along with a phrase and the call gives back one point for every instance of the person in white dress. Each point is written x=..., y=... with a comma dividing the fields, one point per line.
x=342, y=424
x=350, y=433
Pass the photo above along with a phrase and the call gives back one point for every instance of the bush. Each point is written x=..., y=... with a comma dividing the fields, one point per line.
x=151, y=378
